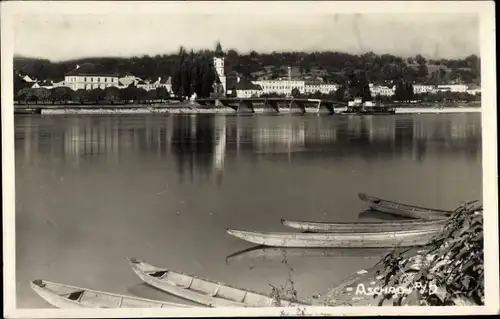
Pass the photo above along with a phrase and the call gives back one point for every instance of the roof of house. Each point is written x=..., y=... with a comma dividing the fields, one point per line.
x=245, y=84
x=166, y=81
x=90, y=69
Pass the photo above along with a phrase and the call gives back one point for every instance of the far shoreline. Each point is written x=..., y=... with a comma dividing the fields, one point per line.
x=195, y=108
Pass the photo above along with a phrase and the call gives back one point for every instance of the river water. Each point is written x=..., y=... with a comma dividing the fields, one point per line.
x=92, y=190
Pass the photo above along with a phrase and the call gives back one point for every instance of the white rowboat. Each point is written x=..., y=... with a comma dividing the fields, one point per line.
x=336, y=240
x=206, y=292
x=364, y=227
x=65, y=296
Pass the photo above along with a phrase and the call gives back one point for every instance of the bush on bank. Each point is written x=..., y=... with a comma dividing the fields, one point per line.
x=448, y=271
x=110, y=95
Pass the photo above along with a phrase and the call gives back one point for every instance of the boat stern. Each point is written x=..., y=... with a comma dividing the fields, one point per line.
x=37, y=283
x=142, y=268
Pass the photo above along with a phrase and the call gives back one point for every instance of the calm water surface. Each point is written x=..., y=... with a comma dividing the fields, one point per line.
x=92, y=190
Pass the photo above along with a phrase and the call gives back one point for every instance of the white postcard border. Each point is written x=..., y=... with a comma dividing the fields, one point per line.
x=485, y=10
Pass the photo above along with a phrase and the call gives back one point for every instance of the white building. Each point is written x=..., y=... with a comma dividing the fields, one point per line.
x=129, y=79
x=326, y=88
x=47, y=84
x=44, y=84
x=280, y=86
x=312, y=86
x=474, y=91
x=382, y=90
x=87, y=77
x=423, y=88
x=28, y=79
x=245, y=88
x=153, y=85
x=452, y=88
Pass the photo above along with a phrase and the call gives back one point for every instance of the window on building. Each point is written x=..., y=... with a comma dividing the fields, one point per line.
x=85, y=79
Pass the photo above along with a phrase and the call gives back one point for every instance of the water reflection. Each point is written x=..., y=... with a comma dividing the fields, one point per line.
x=109, y=186
x=200, y=143
x=193, y=145
x=277, y=254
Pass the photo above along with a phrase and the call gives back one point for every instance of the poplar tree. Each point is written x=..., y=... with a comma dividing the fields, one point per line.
x=195, y=74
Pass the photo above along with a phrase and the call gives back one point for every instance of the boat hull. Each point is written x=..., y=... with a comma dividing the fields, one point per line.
x=336, y=240
x=187, y=294
x=215, y=298
x=58, y=301
x=70, y=297
x=311, y=226
x=404, y=210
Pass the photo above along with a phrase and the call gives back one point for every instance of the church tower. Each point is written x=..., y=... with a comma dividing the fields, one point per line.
x=219, y=65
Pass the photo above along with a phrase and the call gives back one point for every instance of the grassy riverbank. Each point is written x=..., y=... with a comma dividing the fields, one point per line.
x=449, y=270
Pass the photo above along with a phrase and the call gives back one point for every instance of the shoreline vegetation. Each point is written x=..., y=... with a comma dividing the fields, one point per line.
x=448, y=271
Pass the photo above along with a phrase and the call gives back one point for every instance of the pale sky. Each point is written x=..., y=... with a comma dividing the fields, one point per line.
x=68, y=36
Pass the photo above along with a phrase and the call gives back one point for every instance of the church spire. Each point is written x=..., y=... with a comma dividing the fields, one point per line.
x=218, y=50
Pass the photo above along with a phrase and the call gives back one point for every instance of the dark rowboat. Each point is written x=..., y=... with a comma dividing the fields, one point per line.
x=364, y=227
x=405, y=210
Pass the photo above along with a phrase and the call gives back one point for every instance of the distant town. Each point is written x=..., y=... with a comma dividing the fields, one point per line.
x=370, y=77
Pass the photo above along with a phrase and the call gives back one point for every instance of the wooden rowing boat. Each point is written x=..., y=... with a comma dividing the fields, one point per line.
x=395, y=208
x=206, y=292
x=265, y=253
x=336, y=240
x=65, y=296
x=364, y=227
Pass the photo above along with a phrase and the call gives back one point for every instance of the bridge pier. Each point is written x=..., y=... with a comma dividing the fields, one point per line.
x=237, y=103
x=327, y=105
x=273, y=104
x=299, y=104
x=220, y=102
x=246, y=104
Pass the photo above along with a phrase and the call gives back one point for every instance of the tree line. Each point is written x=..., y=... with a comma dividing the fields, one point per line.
x=334, y=67
x=110, y=95
x=194, y=73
